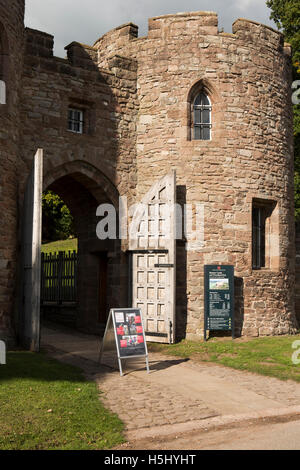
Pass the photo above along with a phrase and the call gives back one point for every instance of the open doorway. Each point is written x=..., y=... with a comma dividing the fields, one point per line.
x=90, y=265
x=59, y=256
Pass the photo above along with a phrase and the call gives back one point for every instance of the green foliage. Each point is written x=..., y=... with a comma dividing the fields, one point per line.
x=57, y=219
x=61, y=245
x=286, y=15
x=270, y=356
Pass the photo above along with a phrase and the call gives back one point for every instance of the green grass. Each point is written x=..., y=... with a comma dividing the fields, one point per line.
x=47, y=405
x=271, y=356
x=61, y=245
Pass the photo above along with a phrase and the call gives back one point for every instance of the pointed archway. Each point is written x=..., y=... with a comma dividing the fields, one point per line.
x=102, y=267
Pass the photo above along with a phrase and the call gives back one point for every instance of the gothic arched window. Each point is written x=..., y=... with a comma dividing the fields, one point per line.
x=201, y=117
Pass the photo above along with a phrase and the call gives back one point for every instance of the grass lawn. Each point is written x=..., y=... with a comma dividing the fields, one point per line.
x=46, y=405
x=270, y=356
x=61, y=245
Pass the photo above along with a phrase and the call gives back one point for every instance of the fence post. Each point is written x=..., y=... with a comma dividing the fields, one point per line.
x=60, y=275
x=75, y=264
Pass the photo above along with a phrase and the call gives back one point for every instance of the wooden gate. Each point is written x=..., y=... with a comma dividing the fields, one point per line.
x=59, y=277
x=153, y=254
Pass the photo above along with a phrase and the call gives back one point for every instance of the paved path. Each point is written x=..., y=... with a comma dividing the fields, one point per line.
x=177, y=395
x=253, y=436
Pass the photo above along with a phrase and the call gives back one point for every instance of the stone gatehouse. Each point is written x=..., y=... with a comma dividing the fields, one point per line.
x=186, y=114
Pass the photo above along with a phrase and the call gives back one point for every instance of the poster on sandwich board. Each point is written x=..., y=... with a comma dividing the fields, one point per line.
x=125, y=329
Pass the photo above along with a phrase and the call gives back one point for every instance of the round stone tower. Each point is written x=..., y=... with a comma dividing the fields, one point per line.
x=11, y=60
x=240, y=169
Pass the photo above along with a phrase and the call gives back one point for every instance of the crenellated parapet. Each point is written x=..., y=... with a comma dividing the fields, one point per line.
x=82, y=55
x=253, y=33
x=163, y=30
x=181, y=26
x=39, y=43
x=188, y=24
x=115, y=41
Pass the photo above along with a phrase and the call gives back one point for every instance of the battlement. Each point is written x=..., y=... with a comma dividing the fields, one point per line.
x=176, y=27
x=251, y=31
x=39, y=43
x=173, y=26
x=199, y=22
x=118, y=36
x=82, y=55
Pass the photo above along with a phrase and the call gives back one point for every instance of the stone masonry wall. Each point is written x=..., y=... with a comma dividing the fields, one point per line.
x=247, y=75
x=136, y=97
x=86, y=169
x=297, y=282
x=11, y=58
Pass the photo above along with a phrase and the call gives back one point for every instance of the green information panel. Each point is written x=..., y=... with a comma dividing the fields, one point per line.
x=218, y=298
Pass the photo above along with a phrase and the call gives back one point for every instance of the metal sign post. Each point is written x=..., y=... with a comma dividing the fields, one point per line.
x=124, y=332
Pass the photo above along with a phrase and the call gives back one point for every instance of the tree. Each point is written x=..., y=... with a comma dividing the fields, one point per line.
x=286, y=15
x=57, y=219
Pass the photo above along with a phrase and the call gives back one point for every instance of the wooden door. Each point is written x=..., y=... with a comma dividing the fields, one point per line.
x=153, y=255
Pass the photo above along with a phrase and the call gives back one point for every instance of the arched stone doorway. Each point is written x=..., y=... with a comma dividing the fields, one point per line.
x=102, y=268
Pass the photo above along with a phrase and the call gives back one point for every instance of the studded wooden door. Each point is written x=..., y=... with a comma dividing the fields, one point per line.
x=153, y=256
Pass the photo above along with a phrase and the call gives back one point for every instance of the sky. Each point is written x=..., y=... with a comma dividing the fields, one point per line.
x=87, y=20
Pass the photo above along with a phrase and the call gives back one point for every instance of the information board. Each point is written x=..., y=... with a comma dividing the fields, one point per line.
x=218, y=298
x=129, y=336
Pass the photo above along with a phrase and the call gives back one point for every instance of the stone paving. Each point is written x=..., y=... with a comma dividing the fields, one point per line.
x=139, y=402
x=176, y=390
x=286, y=393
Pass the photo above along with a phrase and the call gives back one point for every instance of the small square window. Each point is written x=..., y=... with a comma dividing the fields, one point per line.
x=75, y=120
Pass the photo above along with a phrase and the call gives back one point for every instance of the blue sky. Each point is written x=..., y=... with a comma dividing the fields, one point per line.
x=85, y=21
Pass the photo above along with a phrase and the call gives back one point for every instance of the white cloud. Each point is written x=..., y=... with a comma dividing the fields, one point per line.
x=250, y=5
x=73, y=20
x=244, y=4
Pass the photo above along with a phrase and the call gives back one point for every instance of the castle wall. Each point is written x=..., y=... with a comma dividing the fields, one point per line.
x=247, y=75
x=85, y=169
x=11, y=58
x=107, y=97
x=136, y=97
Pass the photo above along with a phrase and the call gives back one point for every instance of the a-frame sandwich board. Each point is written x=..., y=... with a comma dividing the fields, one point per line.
x=124, y=335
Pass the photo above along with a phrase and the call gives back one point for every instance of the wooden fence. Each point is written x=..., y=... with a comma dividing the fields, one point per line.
x=59, y=277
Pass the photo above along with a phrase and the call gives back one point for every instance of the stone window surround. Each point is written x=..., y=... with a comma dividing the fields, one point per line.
x=272, y=238
x=88, y=115
x=201, y=125
x=75, y=121
x=200, y=86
